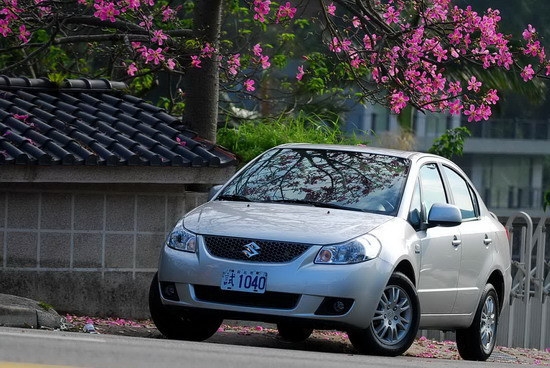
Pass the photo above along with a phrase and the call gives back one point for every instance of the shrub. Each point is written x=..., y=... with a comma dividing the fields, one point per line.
x=248, y=139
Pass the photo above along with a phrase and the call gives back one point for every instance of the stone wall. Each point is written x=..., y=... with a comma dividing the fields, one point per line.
x=87, y=249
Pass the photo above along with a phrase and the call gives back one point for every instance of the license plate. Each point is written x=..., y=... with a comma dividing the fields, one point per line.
x=244, y=280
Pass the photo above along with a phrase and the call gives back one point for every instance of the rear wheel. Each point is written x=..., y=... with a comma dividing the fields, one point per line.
x=293, y=333
x=394, y=325
x=478, y=341
x=180, y=325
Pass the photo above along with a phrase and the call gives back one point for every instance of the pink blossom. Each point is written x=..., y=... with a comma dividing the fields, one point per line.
x=547, y=69
x=455, y=37
x=133, y=4
x=356, y=62
x=170, y=64
x=23, y=34
x=470, y=112
x=106, y=11
x=455, y=88
x=5, y=29
x=527, y=73
x=331, y=9
x=455, y=107
x=257, y=50
x=356, y=22
x=473, y=84
x=147, y=22
x=249, y=85
x=285, y=11
x=159, y=37
x=155, y=56
x=132, y=69
x=300, y=73
x=338, y=46
x=398, y=101
x=264, y=61
x=484, y=112
x=196, y=61
x=492, y=97
x=181, y=142
x=391, y=15
x=261, y=9
x=529, y=33
x=208, y=50
x=168, y=13
x=533, y=48
x=234, y=63
x=368, y=42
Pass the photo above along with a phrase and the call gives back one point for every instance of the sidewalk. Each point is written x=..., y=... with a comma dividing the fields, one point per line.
x=16, y=311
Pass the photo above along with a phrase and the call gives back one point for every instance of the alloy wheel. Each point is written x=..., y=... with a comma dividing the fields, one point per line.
x=488, y=324
x=393, y=316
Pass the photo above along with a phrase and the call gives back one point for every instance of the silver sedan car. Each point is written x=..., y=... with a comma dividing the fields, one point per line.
x=374, y=242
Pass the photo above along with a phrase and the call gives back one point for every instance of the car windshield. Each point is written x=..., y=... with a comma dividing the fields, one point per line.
x=350, y=180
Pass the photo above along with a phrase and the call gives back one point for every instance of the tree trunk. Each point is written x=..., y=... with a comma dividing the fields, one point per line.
x=202, y=84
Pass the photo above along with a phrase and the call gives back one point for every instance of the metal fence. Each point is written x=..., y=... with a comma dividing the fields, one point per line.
x=526, y=320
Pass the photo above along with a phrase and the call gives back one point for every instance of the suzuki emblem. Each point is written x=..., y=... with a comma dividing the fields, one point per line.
x=251, y=249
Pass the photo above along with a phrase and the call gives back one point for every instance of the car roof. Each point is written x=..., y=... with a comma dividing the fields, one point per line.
x=411, y=155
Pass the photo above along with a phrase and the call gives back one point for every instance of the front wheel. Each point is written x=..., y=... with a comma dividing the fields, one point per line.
x=478, y=341
x=394, y=325
x=180, y=325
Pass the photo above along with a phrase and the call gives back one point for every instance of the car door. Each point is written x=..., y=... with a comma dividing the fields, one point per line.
x=439, y=252
x=477, y=235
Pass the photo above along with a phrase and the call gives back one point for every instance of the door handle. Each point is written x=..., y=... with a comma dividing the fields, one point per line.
x=456, y=241
x=487, y=240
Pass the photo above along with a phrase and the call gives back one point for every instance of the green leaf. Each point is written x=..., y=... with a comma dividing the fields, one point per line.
x=451, y=143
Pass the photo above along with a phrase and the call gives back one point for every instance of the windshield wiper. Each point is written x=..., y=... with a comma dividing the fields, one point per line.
x=233, y=197
x=315, y=204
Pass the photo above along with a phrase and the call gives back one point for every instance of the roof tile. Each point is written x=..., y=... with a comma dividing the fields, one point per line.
x=92, y=122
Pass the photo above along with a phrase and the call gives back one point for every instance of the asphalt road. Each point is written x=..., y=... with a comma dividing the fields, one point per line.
x=26, y=348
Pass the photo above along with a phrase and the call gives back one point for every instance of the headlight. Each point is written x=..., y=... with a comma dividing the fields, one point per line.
x=357, y=250
x=181, y=239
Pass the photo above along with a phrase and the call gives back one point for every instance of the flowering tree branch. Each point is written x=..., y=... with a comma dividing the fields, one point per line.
x=398, y=52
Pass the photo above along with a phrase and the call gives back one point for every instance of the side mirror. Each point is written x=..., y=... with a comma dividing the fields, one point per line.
x=444, y=214
x=214, y=190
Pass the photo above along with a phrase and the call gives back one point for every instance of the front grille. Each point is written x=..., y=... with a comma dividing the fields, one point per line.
x=269, y=299
x=252, y=250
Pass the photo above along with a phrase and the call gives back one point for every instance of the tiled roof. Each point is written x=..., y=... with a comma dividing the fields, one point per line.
x=92, y=122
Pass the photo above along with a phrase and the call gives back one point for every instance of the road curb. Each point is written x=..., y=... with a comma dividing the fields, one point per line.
x=17, y=311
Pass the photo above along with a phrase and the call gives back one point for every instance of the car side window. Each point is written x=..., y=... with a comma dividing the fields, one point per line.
x=463, y=195
x=431, y=185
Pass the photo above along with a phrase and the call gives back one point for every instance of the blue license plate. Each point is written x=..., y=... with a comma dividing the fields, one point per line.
x=244, y=280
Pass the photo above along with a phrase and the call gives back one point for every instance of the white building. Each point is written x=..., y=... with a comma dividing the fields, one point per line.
x=504, y=158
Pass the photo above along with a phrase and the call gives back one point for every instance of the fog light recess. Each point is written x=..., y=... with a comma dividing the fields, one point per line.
x=334, y=306
x=169, y=291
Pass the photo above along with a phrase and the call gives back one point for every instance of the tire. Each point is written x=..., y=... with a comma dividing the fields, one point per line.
x=394, y=325
x=293, y=333
x=179, y=325
x=478, y=341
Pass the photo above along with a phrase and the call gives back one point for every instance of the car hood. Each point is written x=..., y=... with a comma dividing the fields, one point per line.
x=284, y=222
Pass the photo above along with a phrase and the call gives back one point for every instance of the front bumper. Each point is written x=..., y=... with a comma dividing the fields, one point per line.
x=318, y=295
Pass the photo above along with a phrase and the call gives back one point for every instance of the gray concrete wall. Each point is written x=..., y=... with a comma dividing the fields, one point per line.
x=87, y=249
